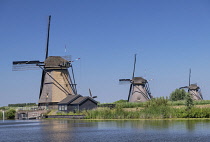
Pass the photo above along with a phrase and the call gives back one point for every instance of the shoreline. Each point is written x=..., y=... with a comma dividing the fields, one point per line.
x=135, y=119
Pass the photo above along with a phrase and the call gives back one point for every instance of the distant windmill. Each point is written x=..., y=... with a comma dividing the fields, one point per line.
x=56, y=82
x=139, y=88
x=91, y=94
x=194, y=90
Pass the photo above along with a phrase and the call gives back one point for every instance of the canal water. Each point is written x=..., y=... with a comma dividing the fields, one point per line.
x=105, y=131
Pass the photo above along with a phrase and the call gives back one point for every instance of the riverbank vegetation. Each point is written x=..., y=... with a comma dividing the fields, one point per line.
x=8, y=114
x=158, y=108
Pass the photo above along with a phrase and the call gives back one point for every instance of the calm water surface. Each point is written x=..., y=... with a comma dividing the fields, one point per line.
x=105, y=131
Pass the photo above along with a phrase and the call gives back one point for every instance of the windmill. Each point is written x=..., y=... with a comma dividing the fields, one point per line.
x=91, y=94
x=56, y=81
x=193, y=89
x=139, y=87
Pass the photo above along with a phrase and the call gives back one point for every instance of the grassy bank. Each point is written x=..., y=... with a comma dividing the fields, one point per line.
x=170, y=103
x=198, y=102
x=146, y=113
x=159, y=108
x=158, y=113
x=154, y=109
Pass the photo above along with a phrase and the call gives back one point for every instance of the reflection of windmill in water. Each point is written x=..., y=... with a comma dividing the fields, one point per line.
x=139, y=88
x=194, y=90
x=56, y=82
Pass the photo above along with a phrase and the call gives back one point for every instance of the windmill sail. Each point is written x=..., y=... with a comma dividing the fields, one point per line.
x=46, y=55
x=189, y=76
x=134, y=67
x=48, y=37
x=91, y=94
x=130, y=92
x=25, y=65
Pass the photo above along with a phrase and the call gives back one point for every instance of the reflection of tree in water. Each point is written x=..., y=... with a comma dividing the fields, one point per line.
x=181, y=125
x=191, y=124
x=90, y=130
x=84, y=123
x=145, y=124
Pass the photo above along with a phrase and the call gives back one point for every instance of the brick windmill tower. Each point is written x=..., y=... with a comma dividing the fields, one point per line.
x=194, y=90
x=56, y=81
x=139, y=88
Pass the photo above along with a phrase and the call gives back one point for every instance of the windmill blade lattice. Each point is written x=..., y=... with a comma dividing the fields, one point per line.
x=124, y=81
x=67, y=57
x=26, y=65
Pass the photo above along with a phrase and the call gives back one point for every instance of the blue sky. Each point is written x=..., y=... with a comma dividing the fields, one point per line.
x=168, y=36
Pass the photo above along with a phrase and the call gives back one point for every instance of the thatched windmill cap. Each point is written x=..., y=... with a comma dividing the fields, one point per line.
x=194, y=87
x=56, y=62
x=139, y=80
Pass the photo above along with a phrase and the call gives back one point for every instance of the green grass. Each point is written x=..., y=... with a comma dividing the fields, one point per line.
x=158, y=108
x=170, y=103
x=182, y=102
x=130, y=105
x=106, y=113
x=149, y=113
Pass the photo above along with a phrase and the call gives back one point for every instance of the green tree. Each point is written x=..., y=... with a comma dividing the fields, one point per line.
x=10, y=114
x=189, y=102
x=1, y=115
x=2, y=108
x=178, y=94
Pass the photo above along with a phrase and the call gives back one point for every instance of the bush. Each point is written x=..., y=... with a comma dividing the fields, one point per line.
x=178, y=94
x=192, y=113
x=10, y=114
x=1, y=115
x=188, y=101
x=157, y=108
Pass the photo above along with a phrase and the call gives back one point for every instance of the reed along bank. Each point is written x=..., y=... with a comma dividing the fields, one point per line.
x=158, y=108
